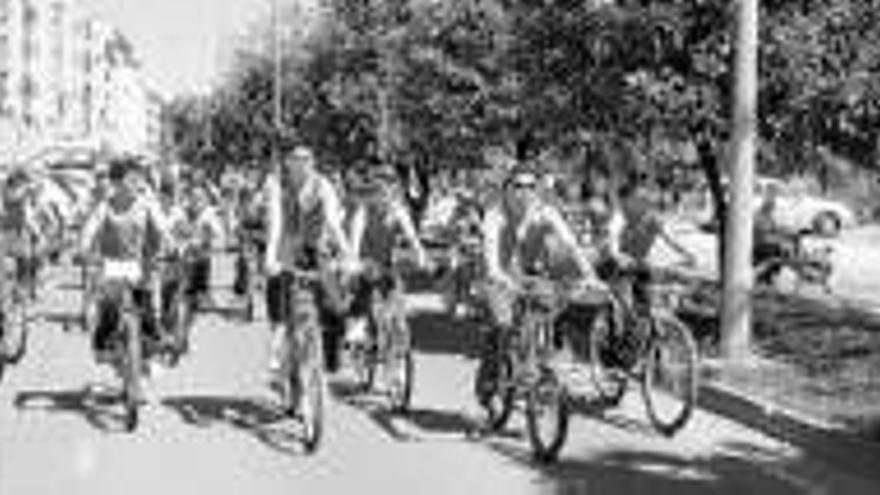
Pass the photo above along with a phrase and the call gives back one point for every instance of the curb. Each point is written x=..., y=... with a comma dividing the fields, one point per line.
x=816, y=437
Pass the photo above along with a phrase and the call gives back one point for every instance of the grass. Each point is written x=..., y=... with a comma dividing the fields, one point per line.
x=823, y=358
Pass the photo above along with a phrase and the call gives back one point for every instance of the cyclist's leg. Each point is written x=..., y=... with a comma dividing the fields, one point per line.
x=500, y=303
x=107, y=319
x=278, y=309
x=201, y=273
x=332, y=325
x=241, y=283
x=143, y=299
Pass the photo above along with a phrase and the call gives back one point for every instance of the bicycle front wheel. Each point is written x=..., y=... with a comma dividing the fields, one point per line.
x=547, y=416
x=312, y=376
x=132, y=369
x=669, y=381
x=608, y=375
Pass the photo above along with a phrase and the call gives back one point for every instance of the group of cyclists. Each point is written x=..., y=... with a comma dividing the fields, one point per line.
x=302, y=220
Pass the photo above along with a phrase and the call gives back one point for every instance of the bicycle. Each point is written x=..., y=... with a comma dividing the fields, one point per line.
x=303, y=389
x=644, y=341
x=178, y=304
x=387, y=341
x=14, y=320
x=517, y=365
x=118, y=280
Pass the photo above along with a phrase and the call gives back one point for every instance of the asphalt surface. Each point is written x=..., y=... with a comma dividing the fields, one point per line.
x=211, y=426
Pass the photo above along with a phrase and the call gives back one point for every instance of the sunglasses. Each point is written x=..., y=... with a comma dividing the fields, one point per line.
x=524, y=185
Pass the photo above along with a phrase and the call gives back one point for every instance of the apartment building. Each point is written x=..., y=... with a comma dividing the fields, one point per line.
x=68, y=77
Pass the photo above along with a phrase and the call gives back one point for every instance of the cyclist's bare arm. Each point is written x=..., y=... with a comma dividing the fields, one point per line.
x=164, y=223
x=91, y=226
x=358, y=227
x=335, y=215
x=493, y=224
x=682, y=251
x=273, y=198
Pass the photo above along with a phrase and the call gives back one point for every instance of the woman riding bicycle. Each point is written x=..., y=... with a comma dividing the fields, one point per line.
x=374, y=217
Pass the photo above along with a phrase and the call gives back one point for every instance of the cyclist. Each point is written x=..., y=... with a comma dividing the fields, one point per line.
x=376, y=215
x=632, y=234
x=518, y=230
x=303, y=208
x=251, y=231
x=205, y=221
x=181, y=231
x=118, y=229
x=17, y=230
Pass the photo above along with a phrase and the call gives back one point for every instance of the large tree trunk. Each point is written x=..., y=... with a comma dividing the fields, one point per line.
x=736, y=315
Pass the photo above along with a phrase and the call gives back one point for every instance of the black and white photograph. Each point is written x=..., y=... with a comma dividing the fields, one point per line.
x=538, y=247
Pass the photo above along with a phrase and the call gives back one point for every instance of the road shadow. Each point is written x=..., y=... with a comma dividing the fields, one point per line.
x=733, y=468
x=835, y=447
x=66, y=320
x=99, y=405
x=417, y=424
x=260, y=419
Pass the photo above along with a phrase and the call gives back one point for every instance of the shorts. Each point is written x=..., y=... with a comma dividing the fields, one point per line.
x=108, y=315
x=278, y=292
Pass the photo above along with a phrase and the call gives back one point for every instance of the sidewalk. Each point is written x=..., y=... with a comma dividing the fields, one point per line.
x=820, y=438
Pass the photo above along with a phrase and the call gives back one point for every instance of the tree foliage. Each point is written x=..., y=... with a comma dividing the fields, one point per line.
x=435, y=83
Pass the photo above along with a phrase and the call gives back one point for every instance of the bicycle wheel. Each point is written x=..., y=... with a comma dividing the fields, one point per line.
x=669, y=381
x=494, y=387
x=132, y=363
x=609, y=378
x=547, y=416
x=312, y=398
x=180, y=323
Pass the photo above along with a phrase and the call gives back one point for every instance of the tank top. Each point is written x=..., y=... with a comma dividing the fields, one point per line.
x=303, y=222
x=124, y=231
x=523, y=248
x=378, y=240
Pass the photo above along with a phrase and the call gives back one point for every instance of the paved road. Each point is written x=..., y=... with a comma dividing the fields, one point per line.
x=211, y=428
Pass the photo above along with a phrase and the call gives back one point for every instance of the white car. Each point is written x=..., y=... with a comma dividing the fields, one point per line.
x=803, y=212
x=798, y=210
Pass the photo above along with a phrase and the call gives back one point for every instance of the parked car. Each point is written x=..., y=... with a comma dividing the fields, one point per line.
x=800, y=211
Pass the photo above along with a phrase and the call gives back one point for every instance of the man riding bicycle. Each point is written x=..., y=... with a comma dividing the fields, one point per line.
x=633, y=231
x=304, y=210
x=118, y=230
x=375, y=216
x=18, y=230
x=520, y=232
